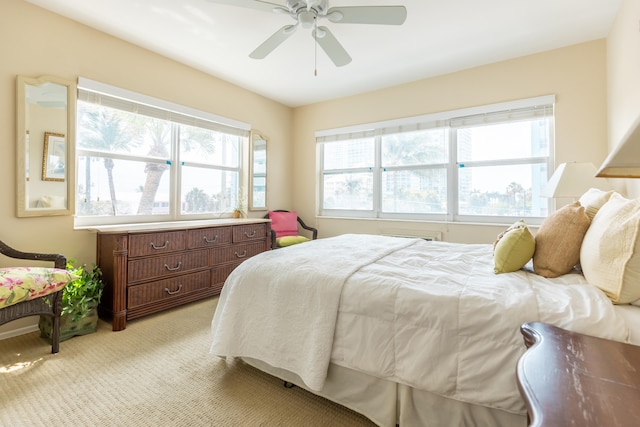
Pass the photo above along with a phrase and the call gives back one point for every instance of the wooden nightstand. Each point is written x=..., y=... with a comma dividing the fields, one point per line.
x=571, y=379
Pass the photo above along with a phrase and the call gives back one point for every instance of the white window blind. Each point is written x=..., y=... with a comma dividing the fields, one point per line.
x=523, y=109
x=508, y=116
x=133, y=102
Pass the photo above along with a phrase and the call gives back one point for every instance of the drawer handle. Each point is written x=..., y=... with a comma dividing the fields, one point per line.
x=166, y=244
x=173, y=292
x=215, y=239
x=174, y=268
x=250, y=235
x=244, y=254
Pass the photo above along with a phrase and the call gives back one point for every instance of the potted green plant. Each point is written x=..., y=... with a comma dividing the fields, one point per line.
x=80, y=300
x=239, y=210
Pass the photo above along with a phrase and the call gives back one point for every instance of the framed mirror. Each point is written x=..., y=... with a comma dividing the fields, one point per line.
x=45, y=115
x=258, y=163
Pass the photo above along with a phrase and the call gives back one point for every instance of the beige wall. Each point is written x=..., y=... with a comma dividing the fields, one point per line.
x=576, y=75
x=36, y=42
x=623, y=81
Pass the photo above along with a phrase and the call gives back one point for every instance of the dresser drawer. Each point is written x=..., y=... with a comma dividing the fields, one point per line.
x=150, y=268
x=219, y=274
x=249, y=232
x=175, y=287
x=208, y=237
x=156, y=243
x=237, y=252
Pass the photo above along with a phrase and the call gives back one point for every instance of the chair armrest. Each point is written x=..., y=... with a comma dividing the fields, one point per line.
x=314, y=231
x=60, y=261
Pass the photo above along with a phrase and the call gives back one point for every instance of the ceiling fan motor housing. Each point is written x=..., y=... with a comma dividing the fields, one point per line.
x=306, y=18
x=317, y=6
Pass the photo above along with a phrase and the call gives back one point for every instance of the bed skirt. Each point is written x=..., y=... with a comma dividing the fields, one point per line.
x=388, y=404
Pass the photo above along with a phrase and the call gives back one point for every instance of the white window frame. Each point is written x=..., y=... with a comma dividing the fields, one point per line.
x=101, y=93
x=451, y=120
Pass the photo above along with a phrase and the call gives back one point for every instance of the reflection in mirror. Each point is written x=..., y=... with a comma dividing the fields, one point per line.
x=258, y=181
x=45, y=129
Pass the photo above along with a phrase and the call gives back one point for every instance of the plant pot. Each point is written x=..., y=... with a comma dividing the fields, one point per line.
x=68, y=327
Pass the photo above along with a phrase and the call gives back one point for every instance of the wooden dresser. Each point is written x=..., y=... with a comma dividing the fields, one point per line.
x=571, y=379
x=152, y=267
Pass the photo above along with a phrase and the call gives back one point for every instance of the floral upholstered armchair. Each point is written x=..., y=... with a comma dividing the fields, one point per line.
x=29, y=291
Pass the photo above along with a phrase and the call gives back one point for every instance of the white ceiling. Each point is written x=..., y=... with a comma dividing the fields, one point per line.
x=438, y=37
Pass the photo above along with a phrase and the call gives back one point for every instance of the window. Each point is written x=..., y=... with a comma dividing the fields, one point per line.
x=485, y=164
x=258, y=174
x=141, y=159
x=348, y=175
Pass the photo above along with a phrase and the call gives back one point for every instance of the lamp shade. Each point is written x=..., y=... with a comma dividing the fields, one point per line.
x=624, y=160
x=572, y=180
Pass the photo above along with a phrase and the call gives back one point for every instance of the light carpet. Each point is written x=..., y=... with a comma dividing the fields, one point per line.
x=157, y=372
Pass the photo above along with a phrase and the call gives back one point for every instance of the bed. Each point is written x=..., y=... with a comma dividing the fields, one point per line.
x=402, y=330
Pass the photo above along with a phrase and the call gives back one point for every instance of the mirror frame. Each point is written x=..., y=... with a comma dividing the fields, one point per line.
x=23, y=144
x=256, y=135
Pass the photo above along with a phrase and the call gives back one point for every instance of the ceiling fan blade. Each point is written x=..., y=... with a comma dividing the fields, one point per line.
x=252, y=4
x=382, y=15
x=331, y=46
x=273, y=42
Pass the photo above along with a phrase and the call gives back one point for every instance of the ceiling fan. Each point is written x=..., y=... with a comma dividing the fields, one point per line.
x=306, y=13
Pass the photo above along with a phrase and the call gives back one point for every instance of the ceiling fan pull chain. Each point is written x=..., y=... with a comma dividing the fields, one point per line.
x=315, y=48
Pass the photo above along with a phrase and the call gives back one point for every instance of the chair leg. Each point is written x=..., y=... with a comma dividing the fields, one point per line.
x=55, y=336
x=55, y=333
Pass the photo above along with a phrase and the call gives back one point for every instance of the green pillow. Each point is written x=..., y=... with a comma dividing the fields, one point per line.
x=290, y=240
x=513, y=249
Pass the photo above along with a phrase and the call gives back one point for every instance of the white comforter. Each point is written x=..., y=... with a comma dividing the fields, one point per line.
x=431, y=315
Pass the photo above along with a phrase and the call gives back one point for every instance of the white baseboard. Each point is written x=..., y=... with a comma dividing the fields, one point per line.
x=20, y=331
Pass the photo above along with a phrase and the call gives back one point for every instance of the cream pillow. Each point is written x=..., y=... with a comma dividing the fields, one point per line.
x=593, y=200
x=610, y=253
x=513, y=248
x=559, y=239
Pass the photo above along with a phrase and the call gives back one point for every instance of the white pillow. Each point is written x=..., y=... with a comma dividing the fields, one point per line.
x=610, y=252
x=593, y=200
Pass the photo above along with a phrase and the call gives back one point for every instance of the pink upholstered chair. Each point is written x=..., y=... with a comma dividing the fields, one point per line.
x=285, y=229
